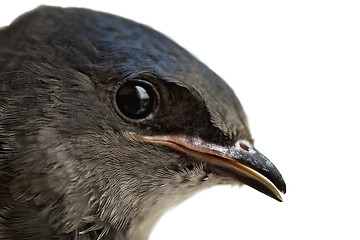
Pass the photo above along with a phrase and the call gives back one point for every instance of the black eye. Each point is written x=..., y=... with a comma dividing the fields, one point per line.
x=135, y=100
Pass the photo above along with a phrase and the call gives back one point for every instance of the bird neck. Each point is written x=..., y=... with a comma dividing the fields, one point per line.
x=141, y=226
x=182, y=187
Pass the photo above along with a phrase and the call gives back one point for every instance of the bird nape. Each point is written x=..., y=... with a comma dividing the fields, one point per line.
x=106, y=123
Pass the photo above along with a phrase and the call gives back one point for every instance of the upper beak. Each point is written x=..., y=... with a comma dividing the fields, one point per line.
x=240, y=161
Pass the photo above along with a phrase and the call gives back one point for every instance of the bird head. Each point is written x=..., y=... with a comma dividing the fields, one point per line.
x=106, y=123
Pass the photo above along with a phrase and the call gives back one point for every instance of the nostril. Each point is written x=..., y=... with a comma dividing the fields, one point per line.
x=244, y=146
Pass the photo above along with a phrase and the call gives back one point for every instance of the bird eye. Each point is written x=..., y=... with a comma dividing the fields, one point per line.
x=135, y=100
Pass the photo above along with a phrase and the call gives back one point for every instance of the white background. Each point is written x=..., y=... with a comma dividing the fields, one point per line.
x=295, y=66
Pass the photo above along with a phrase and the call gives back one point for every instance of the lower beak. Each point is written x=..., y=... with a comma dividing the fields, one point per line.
x=241, y=161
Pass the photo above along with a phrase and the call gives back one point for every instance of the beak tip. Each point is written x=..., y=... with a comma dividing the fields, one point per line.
x=282, y=187
x=278, y=189
x=283, y=191
x=278, y=196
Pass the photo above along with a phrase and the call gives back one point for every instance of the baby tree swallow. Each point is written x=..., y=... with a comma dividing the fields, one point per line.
x=106, y=123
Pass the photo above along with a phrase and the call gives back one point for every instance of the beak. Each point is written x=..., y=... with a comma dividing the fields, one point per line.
x=241, y=161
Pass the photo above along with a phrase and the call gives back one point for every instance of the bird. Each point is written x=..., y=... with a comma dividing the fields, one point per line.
x=106, y=123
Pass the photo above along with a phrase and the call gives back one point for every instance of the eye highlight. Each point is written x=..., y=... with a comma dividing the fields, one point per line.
x=135, y=100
